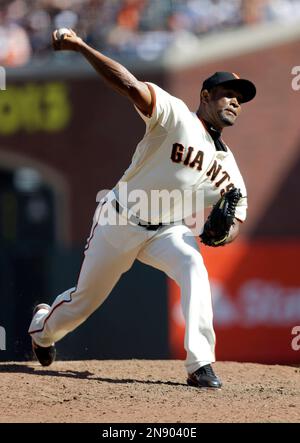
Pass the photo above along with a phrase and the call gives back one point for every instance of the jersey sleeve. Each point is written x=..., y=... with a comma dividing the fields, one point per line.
x=165, y=107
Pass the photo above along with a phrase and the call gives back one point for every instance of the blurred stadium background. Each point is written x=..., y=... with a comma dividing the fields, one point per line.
x=64, y=136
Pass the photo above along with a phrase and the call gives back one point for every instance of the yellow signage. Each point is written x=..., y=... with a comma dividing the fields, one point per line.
x=34, y=107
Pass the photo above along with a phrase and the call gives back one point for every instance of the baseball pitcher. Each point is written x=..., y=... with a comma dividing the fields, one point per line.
x=183, y=151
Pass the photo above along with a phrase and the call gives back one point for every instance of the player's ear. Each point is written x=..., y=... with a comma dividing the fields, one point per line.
x=204, y=96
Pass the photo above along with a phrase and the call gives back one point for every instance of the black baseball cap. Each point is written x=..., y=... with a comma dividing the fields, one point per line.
x=230, y=79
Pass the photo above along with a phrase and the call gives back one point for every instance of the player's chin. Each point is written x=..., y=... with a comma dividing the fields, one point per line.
x=227, y=118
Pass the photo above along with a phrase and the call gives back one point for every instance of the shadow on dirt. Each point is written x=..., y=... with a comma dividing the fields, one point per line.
x=86, y=375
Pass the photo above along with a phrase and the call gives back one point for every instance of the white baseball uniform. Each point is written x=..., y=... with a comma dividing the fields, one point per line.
x=176, y=153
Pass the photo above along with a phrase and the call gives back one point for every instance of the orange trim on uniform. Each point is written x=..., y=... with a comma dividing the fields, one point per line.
x=91, y=237
x=52, y=310
x=75, y=289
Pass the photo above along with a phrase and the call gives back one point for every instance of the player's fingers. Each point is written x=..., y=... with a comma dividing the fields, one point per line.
x=72, y=33
x=55, y=37
x=66, y=41
x=55, y=42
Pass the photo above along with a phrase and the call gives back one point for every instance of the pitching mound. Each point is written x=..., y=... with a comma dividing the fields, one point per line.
x=146, y=391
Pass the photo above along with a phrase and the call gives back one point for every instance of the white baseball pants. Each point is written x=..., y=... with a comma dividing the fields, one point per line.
x=111, y=251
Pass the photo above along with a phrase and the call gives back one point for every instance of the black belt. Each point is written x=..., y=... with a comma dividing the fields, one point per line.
x=145, y=225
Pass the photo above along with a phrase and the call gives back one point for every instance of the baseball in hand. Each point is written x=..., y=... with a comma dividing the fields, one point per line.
x=61, y=32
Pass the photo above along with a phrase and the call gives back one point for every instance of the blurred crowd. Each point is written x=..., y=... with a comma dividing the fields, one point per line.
x=138, y=28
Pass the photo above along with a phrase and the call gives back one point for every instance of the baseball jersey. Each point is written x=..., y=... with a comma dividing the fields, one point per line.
x=177, y=156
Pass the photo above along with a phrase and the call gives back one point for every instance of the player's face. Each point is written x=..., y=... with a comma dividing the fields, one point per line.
x=225, y=106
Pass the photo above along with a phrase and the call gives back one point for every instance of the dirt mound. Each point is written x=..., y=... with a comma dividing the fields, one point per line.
x=133, y=391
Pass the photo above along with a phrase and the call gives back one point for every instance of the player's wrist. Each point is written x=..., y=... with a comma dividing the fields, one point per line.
x=79, y=44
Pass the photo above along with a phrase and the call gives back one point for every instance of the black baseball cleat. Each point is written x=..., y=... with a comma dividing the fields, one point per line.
x=204, y=377
x=47, y=355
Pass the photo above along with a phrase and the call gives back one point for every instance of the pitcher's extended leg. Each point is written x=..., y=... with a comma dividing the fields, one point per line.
x=108, y=254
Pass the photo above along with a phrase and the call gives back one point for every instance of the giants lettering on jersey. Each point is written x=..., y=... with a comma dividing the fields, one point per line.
x=216, y=173
x=191, y=160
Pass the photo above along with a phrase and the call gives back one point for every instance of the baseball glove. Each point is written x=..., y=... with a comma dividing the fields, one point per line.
x=218, y=224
